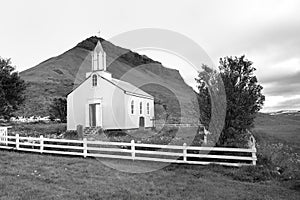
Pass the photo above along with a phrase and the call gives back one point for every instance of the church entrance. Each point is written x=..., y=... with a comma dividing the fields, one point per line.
x=95, y=115
x=93, y=112
x=92, y=115
x=142, y=122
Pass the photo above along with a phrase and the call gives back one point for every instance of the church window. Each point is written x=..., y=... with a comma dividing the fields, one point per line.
x=148, y=109
x=94, y=80
x=132, y=107
x=141, y=107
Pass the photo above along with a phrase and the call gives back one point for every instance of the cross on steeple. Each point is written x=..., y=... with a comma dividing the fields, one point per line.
x=99, y=33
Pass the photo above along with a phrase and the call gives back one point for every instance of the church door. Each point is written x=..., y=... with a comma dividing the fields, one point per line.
x=92, y=115
x=142, y=122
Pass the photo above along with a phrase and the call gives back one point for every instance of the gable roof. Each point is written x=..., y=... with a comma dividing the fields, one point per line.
x=123, y=85
x=129, y=88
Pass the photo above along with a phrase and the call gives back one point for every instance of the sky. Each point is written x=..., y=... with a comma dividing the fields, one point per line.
x=267, y=32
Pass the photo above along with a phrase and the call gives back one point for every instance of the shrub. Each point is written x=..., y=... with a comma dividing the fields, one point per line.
x=37, y=129
x=71, y=135
x=252, y=174
x=115, y=133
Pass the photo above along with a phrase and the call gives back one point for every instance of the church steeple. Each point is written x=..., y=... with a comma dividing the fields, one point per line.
x=99, y=63
x=98, y=58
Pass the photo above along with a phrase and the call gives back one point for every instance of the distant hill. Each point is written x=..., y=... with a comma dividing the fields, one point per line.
x=57, y=76
x=284, y=127
x=286, y=112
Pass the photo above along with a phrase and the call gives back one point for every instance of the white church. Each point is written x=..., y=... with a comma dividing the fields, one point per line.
x=106, y=102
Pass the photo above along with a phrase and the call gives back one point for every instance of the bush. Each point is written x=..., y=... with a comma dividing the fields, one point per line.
x=115, y=133
x=37, y=129
x=164, y=136
x=253, y=174
x=58, y=109
x=70, y=135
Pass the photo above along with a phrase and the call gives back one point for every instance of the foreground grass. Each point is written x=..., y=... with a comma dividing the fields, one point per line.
x=34, y=176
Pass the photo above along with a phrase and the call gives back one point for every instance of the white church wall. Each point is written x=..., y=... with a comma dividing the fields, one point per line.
x=132, y=121
x=76, y=107
x=112, y=99
x=113, y=105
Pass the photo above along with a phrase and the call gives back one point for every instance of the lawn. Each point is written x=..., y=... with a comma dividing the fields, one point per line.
x=35, y=176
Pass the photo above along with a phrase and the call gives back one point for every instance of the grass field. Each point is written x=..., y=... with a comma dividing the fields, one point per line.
x=280, y=128
x=34, y=176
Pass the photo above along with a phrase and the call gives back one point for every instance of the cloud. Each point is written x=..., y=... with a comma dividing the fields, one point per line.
x=286, y=85
x=292, y=103
x=281, y=40
x=282, y=90
x=285, y=79
x=275, y=50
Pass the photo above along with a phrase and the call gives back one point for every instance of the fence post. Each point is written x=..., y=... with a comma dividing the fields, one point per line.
x=252, y=139
x=132, y=150
x=84, y=147
x=17, y=142
x=41, y=144
x=205, y=136
x=3, y=135
x=205, y=139
x=184, y=152
x=79, y=129
x=6, y=139
x=254, y=155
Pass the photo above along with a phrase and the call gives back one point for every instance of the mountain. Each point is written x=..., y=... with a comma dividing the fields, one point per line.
x=57, y=76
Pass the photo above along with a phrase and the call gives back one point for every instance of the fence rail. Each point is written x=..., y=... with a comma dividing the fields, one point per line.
x=132, y=151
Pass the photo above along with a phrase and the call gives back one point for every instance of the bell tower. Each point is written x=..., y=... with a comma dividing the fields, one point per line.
x=98, y=58
x=99, y=63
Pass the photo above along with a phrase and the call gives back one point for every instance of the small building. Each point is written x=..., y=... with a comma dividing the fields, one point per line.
x=106, y=102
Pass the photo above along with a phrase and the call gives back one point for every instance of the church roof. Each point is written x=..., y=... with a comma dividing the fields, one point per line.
x=131, y=89
x=123, y=85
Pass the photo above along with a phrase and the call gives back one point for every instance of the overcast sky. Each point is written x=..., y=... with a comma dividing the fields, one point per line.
x=267, y=32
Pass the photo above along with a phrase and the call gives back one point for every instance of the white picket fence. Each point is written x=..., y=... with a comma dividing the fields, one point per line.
x=132, y=151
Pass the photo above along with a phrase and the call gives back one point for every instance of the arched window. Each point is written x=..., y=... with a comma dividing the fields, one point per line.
x=94, y=80
x=148, y=109
x=132, y=107
x=141, y=107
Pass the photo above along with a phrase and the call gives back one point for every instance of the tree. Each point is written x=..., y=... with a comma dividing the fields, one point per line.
x=58, y=109
x=244, y=99
x=12, y=89
x=204, y=99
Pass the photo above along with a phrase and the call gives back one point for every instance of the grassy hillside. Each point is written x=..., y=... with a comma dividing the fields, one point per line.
x=280, y=128
x=33, y=176
x=278, y=144
x=57, y=76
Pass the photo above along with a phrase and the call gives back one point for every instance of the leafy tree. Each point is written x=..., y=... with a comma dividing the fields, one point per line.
x=204, y=96
x=244, y=98
x=58, y=109
x=12, y=89
x=212, y=101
